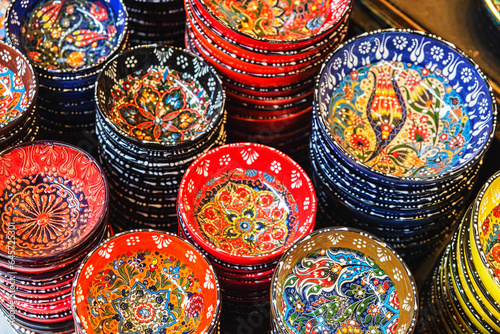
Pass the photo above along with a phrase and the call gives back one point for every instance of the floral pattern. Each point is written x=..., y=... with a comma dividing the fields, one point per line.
x=246, y=212
x=13, y=97
x=489, y=237
x=70, y=34
x=160, y=105
x=338, y=290
x=281, y=20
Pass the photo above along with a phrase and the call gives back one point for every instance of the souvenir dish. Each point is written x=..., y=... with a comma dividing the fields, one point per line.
x=191, y=93
x=335, y=274
x=403, y=136
x=79, y=35
x=173, y=286
x=246, y=203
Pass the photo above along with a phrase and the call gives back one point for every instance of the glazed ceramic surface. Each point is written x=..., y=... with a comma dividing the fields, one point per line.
x=340, y=280
x=405, y=105
x=246, y=202
x=146, y=282
x=53, y=196
x=160, y=95
x=492, y=8
x=3, y=9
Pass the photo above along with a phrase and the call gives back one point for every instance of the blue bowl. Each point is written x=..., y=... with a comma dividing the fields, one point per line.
x=405, y=108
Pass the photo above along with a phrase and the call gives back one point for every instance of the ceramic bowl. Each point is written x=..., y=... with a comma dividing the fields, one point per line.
x=146, y=280
x=98, y=30
x=274, y=26
x=341, y=279
x=404, y=136
x=190, y=92
x=54, y=197
x=492, y=9
x=246, y=203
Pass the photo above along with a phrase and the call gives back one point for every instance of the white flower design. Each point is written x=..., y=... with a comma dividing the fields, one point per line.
x=130, y=62
x=359, y=243
x=306, y=203
x=211, y=83
x=406, y=303
x=364, y=47
x=182, y=61
x=335, y=239
x=296, y=180
x=400, y=42
x=161, y=241
x=483, y=106
x=249, y=155
x=14, y=19
x=224, y=161
x=309, y=246
x=24, y=3
x=466, y=74
x=21, y=66
x=402, y=328
x=5, y=55
x=202, y=168
x=133, y=240
x=383, y=255
x=337, y=63
x=190, y=187
x=79, y=294
x=105, y=252
x=437, y=53
x=275, y=166
x=397, y=274
x=89, y=271
x=209, y=311
x=191, y=256
x=209, y=280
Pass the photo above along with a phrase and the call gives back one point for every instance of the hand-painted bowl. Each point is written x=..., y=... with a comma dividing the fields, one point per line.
x=160, y=96
x=281, y=25
x=146, y=281
x=77, y=35
x=484, y=235
x=492, y=9
x=246, y=203
x=54, y=200
x=405, y=107
x=343, y=280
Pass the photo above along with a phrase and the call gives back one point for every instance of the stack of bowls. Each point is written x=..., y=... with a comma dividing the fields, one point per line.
x=156, y=21
x=67, y=42
x=158, y=109
x=342, y=280
x=146, y=281
x=18, y=113
x=244, y=204
x=463, y=295
x=54, y=211
x=267, y=55
x=401, y=123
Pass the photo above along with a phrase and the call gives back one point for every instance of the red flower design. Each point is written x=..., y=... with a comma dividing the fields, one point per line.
x=266, y=200
x=457, y=142
x=495, y=252
x=496, y=211
x=359, y=142
x=486, y=226
x=210, y=213
x=418, y=134
x=354, y=75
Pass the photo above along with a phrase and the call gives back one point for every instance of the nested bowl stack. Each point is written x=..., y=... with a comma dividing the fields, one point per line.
x=244, y=204
x=267, y=55
x=464, y=290
x=18, y=93
x=401, y=123
x=159, y=108
x=67, y=43
x=54, y=201
x=342, y=280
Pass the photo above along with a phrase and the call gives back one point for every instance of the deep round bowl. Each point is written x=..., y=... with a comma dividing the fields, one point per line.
x=146, y=281
x=78, y=35
x=246, y=203
x=160, y=96
x=19, y=89
x=405, y=106
x=54, y=199
x=340, y=278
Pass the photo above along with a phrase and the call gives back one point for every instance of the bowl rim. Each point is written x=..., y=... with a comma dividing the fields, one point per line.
x=406, y=179
x=491, y=10
x=214, y=123
x=121, y=41
x=339, y=229
x=213, y=324
x=306, y=226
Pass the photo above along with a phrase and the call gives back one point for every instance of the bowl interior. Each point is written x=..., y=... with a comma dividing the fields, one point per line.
x=278, y=21
x=246, y=202
x=53, y=197
x=19, y=87
x=161, y=95
x=146, y=281
x=405, y=105
x=66, y=36
x=335, y=279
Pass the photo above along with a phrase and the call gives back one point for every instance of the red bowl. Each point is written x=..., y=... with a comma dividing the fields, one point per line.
x=268, y=97
x=246, y=203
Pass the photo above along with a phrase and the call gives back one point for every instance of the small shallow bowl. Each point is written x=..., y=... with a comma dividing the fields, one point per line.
x=54, y=196
x=431, y=87
x=278, y=26
x=351, y=276
x=98, y=30
x=146, y=279
x=190, y=95
x=246, y=203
